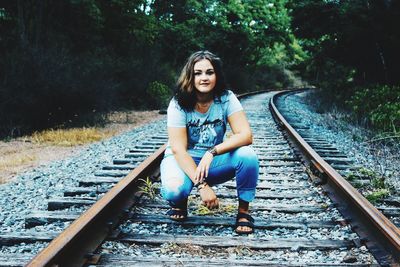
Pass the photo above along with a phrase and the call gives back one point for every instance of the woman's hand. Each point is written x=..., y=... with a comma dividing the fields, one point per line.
x=203, y=167
x=209, y=198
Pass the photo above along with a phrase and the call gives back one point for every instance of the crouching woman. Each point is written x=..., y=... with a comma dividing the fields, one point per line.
x=197, y=154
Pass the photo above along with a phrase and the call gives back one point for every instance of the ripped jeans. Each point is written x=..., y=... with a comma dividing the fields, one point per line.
x=241, y=162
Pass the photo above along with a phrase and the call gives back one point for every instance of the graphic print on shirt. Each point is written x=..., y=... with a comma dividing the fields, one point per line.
x=207, y=134
x=207, y=137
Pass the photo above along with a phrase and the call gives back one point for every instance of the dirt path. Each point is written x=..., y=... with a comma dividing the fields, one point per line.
x=20, y=155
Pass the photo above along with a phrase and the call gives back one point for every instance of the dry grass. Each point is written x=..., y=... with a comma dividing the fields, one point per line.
x=70, y=137
x=8, y=162
x=240, y=250
x=25, y=153
x=190, y=249
x=21, y=155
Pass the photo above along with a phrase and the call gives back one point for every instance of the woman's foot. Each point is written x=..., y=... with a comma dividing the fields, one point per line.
x=178, y=211
x=177, y=214
x=244, y=223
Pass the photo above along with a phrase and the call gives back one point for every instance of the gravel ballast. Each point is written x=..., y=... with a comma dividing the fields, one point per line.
x=31, y=190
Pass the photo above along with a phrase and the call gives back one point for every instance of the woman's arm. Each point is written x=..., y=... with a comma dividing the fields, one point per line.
x=242, y=136
x=178, y=142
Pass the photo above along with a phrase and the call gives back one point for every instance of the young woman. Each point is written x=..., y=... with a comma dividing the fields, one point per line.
x=197, y=154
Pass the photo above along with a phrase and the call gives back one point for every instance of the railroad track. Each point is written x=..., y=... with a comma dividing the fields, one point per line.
x=389, y=206
x=296, y=221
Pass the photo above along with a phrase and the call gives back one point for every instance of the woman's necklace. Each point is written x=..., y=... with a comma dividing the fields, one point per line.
x=203, y=107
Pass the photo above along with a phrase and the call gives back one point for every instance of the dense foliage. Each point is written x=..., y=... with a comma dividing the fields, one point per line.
x=353, y=54
x=63, y=59
x=378, y=105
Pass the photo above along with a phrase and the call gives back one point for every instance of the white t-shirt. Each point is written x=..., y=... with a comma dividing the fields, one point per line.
x=204, y=130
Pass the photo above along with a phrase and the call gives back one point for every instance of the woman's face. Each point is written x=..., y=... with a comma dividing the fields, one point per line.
x=204, y=76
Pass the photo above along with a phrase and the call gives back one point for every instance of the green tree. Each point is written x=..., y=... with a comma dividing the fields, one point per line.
x=64, y=59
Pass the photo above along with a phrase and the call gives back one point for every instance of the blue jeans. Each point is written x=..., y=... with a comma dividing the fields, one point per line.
x=241, y=162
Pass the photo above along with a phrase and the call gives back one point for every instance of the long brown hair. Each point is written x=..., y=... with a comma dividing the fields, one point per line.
x=185, y=90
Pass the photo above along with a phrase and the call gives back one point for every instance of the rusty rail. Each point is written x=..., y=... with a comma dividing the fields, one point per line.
x=387, y=234
x=73, y=247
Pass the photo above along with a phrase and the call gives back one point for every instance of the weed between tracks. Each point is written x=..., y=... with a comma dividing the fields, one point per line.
x=375, y=189
x=148, y=188
x=377, y=195
x=203, y=210
x=180, y=249
x=195, y=250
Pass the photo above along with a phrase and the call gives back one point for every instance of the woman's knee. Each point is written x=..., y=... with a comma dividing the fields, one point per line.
x=247, y=167
x=247, y=154
x=175, y=189
x=176, y=185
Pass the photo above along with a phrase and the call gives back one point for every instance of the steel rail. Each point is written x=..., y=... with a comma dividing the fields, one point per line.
x=382, y=225
x=67, y=248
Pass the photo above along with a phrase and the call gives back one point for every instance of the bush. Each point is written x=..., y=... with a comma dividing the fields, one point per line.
x=159, y=94
x=379, y=105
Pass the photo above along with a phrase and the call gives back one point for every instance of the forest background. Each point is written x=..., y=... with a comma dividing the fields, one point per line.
x=66, y=63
